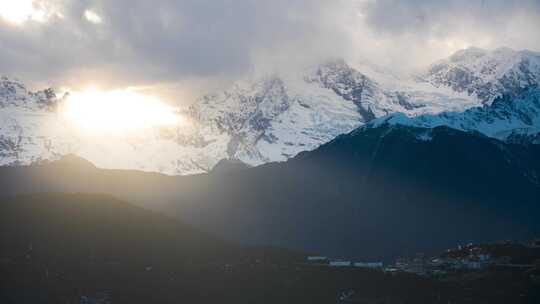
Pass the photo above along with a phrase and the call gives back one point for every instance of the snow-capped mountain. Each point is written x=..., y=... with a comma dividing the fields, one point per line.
x=275, y=117
x=510, y=117
x=486, y=74
x=29, y=131
x=32, y=130
x=14, y=94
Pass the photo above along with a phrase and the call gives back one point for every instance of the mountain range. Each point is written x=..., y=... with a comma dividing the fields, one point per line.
x=275, y=117
x=510, y=117
x=486, y=74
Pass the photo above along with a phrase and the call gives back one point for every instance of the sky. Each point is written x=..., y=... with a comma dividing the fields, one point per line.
x=182, y=48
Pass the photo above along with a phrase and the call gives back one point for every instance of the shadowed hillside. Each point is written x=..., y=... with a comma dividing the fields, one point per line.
x=81, y=248
x=375, y=193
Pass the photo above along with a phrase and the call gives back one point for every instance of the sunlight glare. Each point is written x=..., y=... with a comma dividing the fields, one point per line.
x=91, y=16
x=19, y=11
x=117, y=111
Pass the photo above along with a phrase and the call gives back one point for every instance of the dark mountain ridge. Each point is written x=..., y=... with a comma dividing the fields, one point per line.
x=91, y=248
x=375, y=193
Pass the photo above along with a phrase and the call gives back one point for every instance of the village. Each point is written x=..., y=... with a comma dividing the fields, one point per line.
x=503, y=255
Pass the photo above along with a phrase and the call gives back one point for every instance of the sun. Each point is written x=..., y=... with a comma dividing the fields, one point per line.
x=117, y=112
x=19, y=11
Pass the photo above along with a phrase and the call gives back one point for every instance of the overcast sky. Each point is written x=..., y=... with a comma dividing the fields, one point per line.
x=185, y=46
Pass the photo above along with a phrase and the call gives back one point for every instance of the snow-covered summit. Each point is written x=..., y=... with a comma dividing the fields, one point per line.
x=29, y=131
x=510, y=116
x=275, y=117
x=14, y=94
x=369, y=97
x=486, y=74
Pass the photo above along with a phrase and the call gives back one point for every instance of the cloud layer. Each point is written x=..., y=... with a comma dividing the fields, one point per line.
x=432, y=29
x=167, y=42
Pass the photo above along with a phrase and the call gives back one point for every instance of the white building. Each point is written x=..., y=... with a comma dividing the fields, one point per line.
x=317, y=258
x=374, y=265
x=340, y=264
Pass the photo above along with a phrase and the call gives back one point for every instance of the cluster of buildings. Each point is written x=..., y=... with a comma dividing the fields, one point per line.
x=102, y=297
x=325, y=261
x=469, y=257
x=421, y=265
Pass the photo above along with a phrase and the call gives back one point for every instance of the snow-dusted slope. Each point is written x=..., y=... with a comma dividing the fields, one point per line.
x=28, y=136
x=486, y=74
x=32, y=130
x=29, y=129
x=14, y=94
x=509, y=117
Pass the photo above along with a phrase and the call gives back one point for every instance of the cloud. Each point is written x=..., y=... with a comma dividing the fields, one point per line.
x=92, y=17
x=139, y=41
x=444, y=17
x=433, y=29
x=166, y=43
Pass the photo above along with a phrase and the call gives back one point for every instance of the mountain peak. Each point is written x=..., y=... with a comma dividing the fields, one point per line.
x=512, y=114
x=14, y=93
x=229, y=165
x=486, y=74
x=468, y=53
